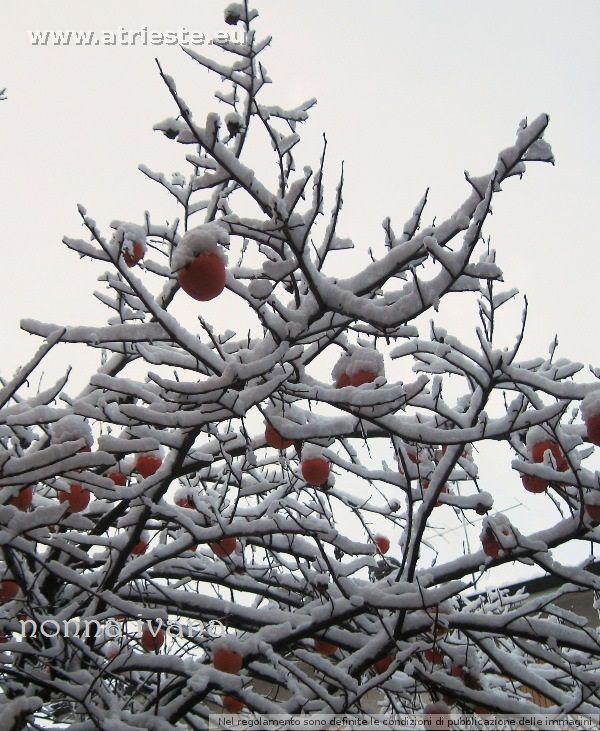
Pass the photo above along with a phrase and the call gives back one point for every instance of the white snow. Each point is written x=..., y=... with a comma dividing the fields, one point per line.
x=590, y=406
x=207, y=238
x=234, y=122
x=538, y=434
x=260, y=288
x=236, y=10
x=359, y=359
x=71, y=428
x=127, y=234
x=312, y=451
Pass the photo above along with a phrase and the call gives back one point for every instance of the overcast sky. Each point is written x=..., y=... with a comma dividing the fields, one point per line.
x=410, y=94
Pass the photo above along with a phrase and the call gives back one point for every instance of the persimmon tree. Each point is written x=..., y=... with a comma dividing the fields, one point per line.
x=233, y=477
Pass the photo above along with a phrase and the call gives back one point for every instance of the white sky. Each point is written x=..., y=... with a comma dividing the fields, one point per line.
x=410, y=94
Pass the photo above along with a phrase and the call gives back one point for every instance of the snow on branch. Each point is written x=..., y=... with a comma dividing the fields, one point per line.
x=278, y=490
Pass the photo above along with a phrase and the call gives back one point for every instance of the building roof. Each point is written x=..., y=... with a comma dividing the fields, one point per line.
x=541, y=584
